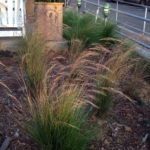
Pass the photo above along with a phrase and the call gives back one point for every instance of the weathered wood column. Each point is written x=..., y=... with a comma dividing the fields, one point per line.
x=29, y=9
x=49, y=20
x=29, y=16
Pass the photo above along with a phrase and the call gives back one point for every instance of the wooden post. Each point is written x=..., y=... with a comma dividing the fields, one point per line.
x=29, y=10
x=29, y=16
x=48, y=20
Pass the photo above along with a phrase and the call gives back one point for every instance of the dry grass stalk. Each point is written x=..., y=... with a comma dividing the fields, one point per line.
x=86, y=67
x=121, y=93
x=2, y=65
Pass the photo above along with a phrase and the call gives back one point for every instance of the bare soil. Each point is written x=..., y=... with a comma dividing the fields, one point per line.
x=9, y=75
x=127, y=128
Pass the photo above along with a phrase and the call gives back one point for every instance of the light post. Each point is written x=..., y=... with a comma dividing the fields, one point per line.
x=106, y=11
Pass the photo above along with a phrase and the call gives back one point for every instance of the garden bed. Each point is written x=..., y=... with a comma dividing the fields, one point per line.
x=124, y=128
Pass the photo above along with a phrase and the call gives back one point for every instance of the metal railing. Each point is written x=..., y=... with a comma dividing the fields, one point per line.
x=117, y=11
x=124, y=26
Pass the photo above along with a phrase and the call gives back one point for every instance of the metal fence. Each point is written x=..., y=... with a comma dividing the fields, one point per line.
x=95, y=7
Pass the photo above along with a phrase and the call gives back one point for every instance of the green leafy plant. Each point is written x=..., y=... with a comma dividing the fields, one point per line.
x=84, y=28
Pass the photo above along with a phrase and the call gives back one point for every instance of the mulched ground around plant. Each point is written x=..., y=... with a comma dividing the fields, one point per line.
x=9, y=129
x=127, y=127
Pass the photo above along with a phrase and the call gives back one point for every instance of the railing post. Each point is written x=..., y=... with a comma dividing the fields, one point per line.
x=97, y=12
x=117, y=11
x=144, y=24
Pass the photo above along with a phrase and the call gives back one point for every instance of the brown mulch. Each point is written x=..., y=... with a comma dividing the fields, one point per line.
x=8, y=126
x=126, y=126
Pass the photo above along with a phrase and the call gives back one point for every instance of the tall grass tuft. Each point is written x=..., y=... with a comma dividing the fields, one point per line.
x=84, y=28
x=57, y=118
x=58, y=122
x=32, y=58
x=119, y=63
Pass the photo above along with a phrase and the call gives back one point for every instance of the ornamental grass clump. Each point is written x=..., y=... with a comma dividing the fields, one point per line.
x=84, y=28
x=33, y=60
x=55, y=117
x=58, y=122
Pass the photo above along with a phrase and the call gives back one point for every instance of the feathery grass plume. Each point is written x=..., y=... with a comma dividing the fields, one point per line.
x=119, y=62
x=96, y=65
x=138, y=75
x=2, y=65
x=84, y=28
x=1, y=82
x=33, y=61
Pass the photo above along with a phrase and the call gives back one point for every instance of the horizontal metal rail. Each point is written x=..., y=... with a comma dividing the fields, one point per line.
x=134, y=28
x=119, y=11
x=125, y=35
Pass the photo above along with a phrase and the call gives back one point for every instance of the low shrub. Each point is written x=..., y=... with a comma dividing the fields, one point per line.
x=84, y=28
